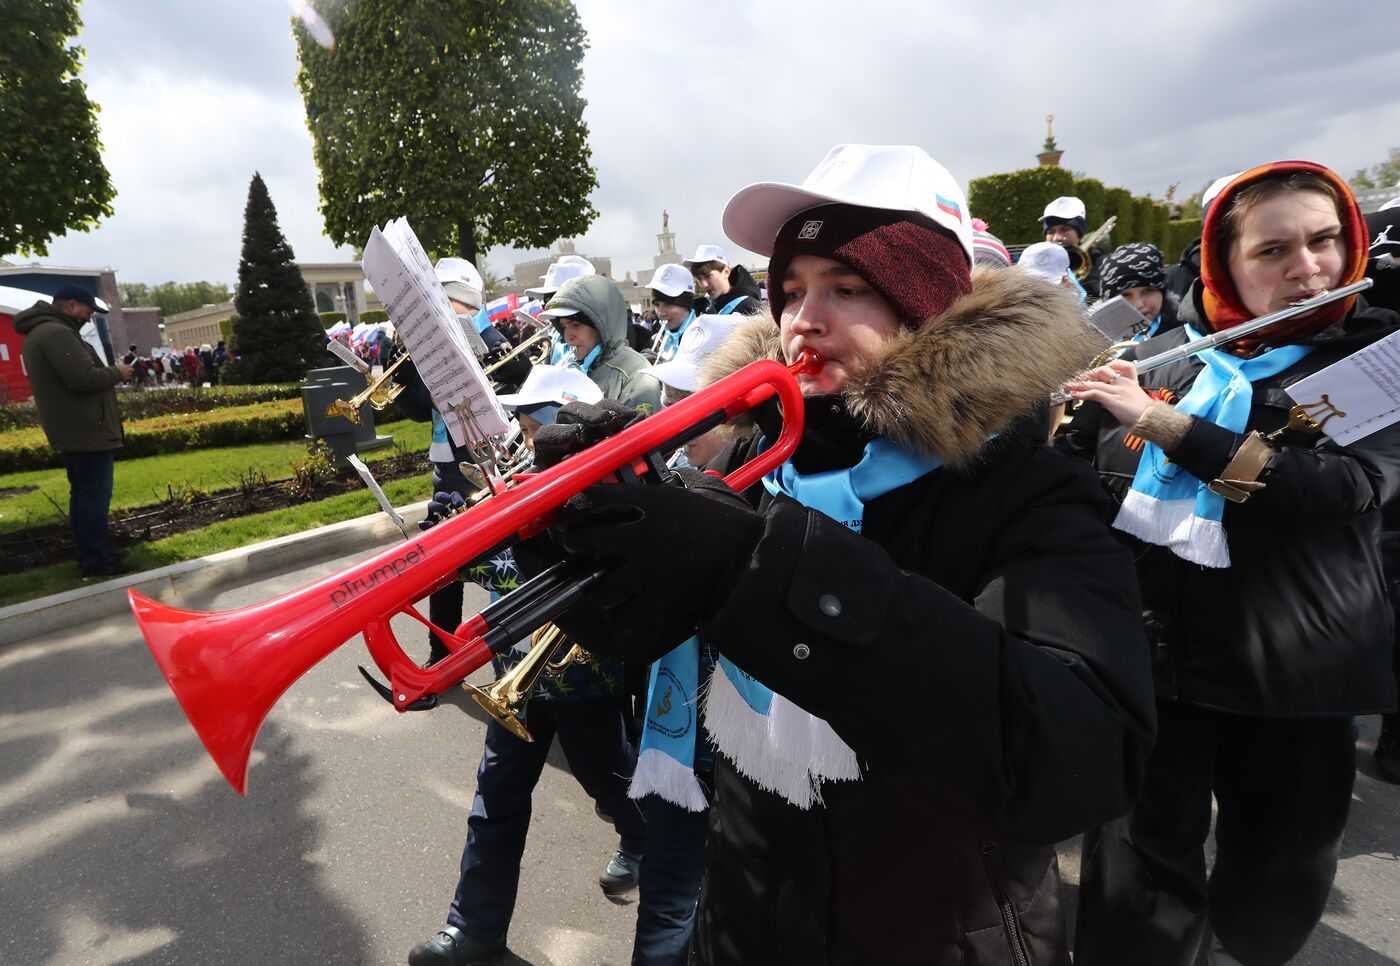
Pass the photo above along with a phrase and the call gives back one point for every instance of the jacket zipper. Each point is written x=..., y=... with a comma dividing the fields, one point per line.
x=991, y=858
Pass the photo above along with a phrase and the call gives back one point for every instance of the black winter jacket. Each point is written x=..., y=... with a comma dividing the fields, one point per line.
x=986, y=663
x=1299, y=623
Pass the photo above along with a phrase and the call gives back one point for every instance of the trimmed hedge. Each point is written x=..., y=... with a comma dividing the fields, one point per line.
x=142, y=404
x=1118, y=202
x=374, y=317
x=1091, y=191
x=1179, y=235
x=1011, y=204
x=27, y=449
x=329, y=319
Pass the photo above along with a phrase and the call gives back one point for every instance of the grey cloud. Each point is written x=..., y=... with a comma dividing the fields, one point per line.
x=685, y=110
x=246, y=42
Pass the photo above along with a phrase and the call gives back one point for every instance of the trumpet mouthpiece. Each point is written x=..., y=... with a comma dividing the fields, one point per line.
x=809, y=362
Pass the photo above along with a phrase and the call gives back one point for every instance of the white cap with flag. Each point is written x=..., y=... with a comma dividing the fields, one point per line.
x=553, y=384
x=893, y=177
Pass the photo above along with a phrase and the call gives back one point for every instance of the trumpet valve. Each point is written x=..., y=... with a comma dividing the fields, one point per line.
x=342, y=408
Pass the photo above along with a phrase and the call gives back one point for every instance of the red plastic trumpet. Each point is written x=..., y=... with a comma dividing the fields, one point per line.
x=228, y=668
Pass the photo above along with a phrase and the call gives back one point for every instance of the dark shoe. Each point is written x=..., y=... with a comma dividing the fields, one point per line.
x=112, y=568
x=621, y=875
x=1388, y=749
x=452, y=947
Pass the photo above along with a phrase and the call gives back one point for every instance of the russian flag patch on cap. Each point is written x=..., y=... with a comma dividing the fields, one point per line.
x=951, y=207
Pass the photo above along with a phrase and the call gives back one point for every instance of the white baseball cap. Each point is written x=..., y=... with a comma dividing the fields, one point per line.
x=559, y=272
x=707, y=253
x=1217, y=186
x=672, y=280
x=460, y=280
x=700, y=338
x=893, y=177
x=1065, y=207
x=1045, y=260
x=553, y=384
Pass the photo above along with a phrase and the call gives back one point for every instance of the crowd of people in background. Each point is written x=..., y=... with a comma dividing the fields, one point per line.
x=162, y=366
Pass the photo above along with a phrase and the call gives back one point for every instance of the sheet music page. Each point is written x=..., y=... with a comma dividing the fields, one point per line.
x=378, y=492
x=1357, y=396
x=398, y=268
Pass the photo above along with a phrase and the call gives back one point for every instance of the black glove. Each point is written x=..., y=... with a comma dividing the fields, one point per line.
x=440, y=507
x=674, y=554
x=577, y=427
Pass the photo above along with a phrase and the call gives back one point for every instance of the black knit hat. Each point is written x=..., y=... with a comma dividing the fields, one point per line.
x=1135, y=265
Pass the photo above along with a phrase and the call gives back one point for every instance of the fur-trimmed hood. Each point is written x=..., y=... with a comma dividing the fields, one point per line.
x=945, y=387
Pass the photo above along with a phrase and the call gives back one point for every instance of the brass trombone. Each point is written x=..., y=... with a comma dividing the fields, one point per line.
x=505, y=700
x=543, y=335
x=379, y=393
x=1080, y=262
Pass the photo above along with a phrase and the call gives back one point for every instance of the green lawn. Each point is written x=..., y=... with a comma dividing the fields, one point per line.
x=42, y=581
x=142, y=481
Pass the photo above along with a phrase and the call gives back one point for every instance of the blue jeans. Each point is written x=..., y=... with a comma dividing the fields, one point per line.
x=670, y=882
x=89, y=498
x=594, y=741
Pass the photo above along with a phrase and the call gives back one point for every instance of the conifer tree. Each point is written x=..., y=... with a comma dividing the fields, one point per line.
x=277, y=335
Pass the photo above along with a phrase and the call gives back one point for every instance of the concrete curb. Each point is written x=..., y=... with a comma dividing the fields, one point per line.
x=20, y=622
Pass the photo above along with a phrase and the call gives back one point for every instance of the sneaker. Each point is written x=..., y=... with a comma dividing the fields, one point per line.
x=1388, y=749
x=621, y=875
x=452, y=947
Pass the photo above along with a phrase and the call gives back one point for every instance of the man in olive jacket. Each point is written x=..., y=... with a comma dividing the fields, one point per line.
x=77, y=403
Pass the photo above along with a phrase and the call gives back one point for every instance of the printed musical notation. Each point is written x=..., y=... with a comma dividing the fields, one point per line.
x=400, y=271
x=1362, y=391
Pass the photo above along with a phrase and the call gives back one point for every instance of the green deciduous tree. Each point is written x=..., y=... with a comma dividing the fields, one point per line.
x=276, y=334
x=173, y=298
x=1383, y=175
x=52, y=179
x=465, y=118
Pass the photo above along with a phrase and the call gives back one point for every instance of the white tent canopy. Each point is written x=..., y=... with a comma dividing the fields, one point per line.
x=13, y=301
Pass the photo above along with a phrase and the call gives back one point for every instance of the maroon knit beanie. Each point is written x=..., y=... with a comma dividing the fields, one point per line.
x=918, y=268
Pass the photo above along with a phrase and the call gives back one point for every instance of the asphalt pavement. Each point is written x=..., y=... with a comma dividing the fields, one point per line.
x=121, y=843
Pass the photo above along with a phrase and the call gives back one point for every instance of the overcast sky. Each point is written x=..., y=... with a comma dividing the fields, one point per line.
x=688, y=102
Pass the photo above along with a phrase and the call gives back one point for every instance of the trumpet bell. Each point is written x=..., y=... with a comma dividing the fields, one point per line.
x=226, y=692
x=512, y=718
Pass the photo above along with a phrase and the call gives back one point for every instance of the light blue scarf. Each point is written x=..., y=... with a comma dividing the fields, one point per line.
x=591, y=358
x=666, y=757
x=1168, y=506
x=770, y=740
x=671, y=341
